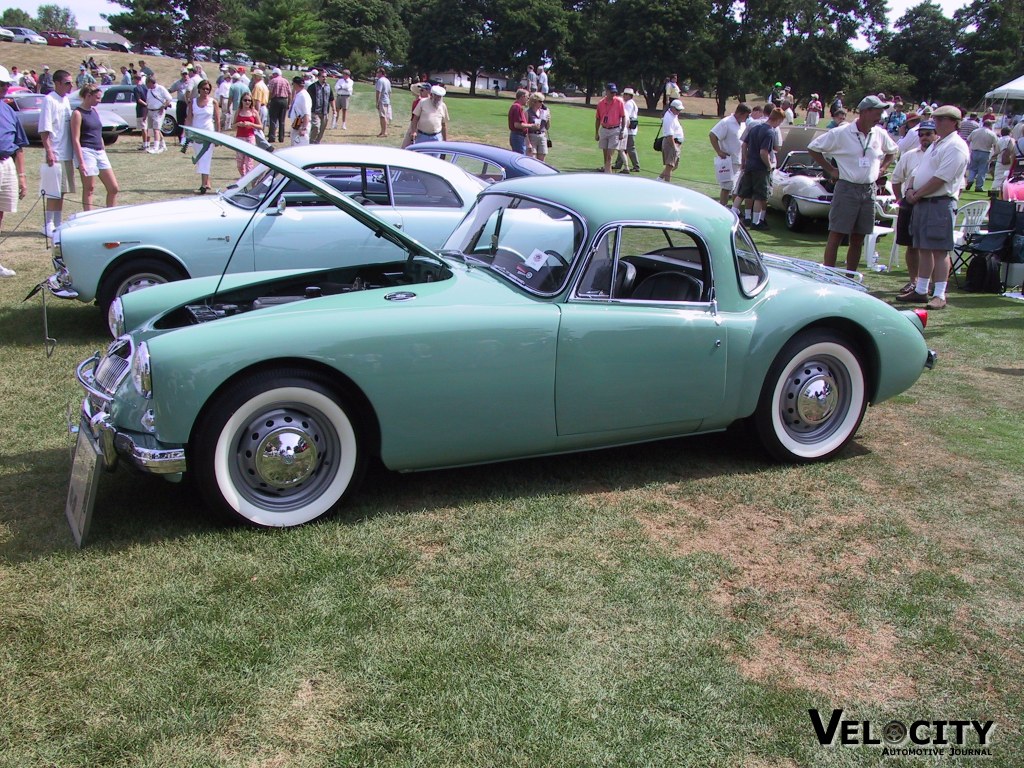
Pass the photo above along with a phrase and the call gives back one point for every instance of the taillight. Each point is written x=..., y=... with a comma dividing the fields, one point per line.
x=922, y=315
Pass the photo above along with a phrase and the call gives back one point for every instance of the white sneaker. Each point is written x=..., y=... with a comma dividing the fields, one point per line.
x=5, y=272
x=48, y=231
x=344, y=126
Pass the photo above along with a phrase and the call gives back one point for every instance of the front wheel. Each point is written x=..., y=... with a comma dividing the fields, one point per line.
x=134, y=275
x=169, y=126
x=794, y=219
x=813, y=399
x=277, y=450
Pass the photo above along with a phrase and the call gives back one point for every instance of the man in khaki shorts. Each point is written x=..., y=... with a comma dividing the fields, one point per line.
x=57, y=176
x=12, y=160
x=862, y=150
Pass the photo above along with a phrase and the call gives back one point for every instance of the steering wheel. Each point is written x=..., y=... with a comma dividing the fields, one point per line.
x=558, y=257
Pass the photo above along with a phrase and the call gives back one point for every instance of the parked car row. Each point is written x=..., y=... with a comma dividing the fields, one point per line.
x=27, y=105
x=561, y=312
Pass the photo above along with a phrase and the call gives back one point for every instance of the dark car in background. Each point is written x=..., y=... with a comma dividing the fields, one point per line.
x=27, y=105
x=485, y=161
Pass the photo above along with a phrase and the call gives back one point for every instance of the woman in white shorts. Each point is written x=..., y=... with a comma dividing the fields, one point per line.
x=203, y=112
x=87, y=142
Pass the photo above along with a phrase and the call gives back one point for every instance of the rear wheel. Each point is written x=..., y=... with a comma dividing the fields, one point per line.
x=278, y=449
x=134, y=275
x=813, y=399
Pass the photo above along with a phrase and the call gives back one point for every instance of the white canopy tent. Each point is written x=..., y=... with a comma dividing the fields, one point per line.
x=1011, y=91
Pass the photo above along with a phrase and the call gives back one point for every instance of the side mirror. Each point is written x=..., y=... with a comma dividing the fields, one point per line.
x=279, y=208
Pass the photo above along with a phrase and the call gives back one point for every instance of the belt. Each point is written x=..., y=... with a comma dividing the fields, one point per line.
x=858, y=183
x=4, y=158
x=934, y=199
x=424, y=133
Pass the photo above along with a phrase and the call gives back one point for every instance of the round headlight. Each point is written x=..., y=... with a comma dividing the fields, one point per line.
x=115, y=319
x=141, y=376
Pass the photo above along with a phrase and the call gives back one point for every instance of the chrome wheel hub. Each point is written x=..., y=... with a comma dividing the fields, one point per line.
x=811, y=398
x=280, y=451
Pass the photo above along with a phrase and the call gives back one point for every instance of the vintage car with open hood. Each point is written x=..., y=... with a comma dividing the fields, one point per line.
x=565, y=313
x=800, y=188
x=264, y=221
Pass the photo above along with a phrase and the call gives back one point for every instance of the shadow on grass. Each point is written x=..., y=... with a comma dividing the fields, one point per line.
x=70, y=322
x=133, y=509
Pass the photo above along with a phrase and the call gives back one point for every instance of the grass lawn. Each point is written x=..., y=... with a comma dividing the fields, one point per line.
x=674, y=604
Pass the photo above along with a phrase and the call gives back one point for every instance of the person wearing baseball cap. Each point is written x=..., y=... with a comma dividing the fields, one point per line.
x=934, y=190
x=910, y=159
x=610, y=124
x=627, y=152
x=862, y=151
x=672, y=139
x=13, y=140
x=430, y=116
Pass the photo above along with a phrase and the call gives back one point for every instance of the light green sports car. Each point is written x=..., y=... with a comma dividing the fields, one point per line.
x=568, y=313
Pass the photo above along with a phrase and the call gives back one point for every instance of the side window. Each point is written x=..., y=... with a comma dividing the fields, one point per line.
x=423, y=190
x=749, y=267
x=597, y=280
x=649, y=264
x=368, y=184
x=482, y=169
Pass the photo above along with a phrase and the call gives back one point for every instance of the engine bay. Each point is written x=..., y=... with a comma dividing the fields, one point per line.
x=331, y=282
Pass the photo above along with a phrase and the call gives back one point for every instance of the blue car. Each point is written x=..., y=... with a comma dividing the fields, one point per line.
x=484, y=161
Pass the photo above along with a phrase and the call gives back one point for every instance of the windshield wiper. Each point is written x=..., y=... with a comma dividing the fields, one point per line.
x=466, y=258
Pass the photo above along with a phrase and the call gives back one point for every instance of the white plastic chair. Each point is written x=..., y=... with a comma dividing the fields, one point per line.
x=871, y=241
x=969, y=219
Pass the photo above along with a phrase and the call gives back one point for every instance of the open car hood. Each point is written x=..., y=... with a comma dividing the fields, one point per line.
x=316, y=186
x=796, y=138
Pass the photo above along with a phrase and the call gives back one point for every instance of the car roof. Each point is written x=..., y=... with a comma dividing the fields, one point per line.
x=613, y=197
x=313, y=154
x=488, y=152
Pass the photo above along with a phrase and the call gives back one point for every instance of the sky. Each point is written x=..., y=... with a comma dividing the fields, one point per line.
x=87, y=12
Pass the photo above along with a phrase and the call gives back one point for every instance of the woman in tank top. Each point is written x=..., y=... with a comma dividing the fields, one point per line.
x=87, y=142
x=203, y=112
x=247, y=122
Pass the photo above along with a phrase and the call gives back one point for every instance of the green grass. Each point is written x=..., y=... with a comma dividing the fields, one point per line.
x=680, y=603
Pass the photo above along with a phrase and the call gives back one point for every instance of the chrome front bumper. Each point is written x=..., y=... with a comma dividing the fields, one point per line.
x=140, y=450
x=56, y=285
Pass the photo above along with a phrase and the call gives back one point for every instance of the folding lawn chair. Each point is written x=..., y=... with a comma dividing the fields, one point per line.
x=994, y=239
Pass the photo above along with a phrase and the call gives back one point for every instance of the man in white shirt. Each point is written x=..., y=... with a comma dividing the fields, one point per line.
x=727, y=141
x=982, y=143
x=862, y=150
x=383, y=90
x=343, y=90
x=901, y=176
x=627, y=154
x=300, y=112
x=935, y=187
x=58, y=177
x=158, y=99
x=672, y=139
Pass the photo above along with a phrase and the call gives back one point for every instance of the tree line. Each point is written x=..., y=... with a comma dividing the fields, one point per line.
x=725, y=47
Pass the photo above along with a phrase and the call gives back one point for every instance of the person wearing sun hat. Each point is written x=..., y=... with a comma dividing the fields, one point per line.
x=862, y=150
x=934, y=190
x=13, y=140
x=814, y=110
x=901, y=176
x=610, y=124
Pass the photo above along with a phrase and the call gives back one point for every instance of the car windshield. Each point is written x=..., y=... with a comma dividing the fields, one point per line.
x=527, y=242
x=251, y=188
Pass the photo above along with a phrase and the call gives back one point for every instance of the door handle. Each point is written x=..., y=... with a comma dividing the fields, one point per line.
x=226, y=238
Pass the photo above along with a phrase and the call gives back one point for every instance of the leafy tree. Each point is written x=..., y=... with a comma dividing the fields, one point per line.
x=15, y=17
x=201, y=23
x=285, y=31
x=467, y=44
x=923, y=42
x=145, y=22
x=58, y=19
x=361, y=27
x=577, y=61
x=990, y=52
x=874, y=73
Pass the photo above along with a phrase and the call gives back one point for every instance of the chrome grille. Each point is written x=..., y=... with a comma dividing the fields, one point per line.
x=114, y=365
